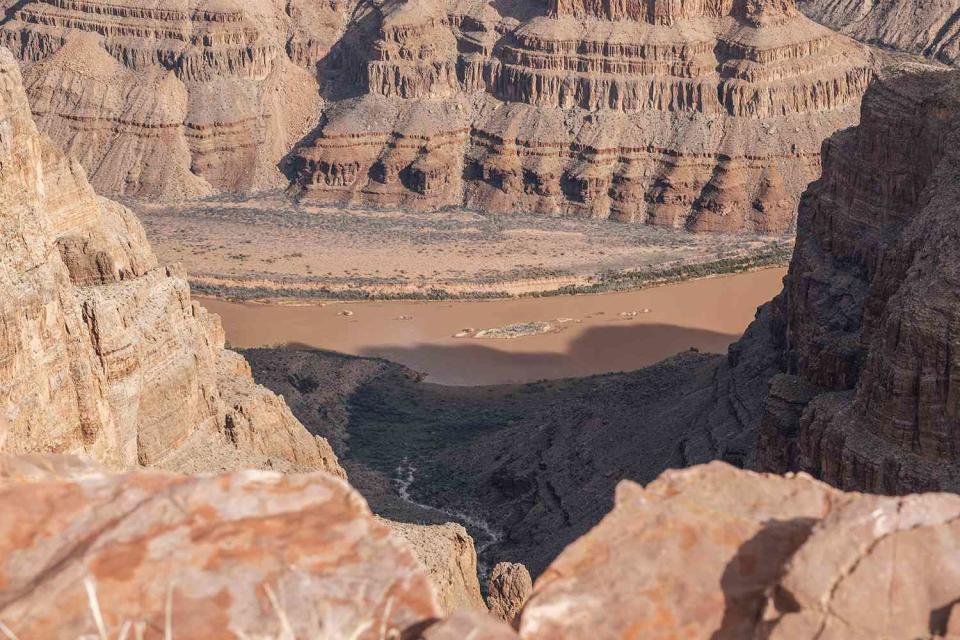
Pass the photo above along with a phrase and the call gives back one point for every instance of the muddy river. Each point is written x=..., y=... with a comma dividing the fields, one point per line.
x=516, y=340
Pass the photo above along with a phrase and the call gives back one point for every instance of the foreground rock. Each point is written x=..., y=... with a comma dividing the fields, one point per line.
x=708, y=552
x=102, y=351
x=868, y=397
x=713, y=552
x=252, y=554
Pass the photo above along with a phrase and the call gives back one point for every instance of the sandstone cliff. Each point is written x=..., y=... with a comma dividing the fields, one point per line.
x=709, y=552
x=868, y=396
x=448, y=554
x=704, y=116
x=175, y=98
x=102, y=351
x=930, y=29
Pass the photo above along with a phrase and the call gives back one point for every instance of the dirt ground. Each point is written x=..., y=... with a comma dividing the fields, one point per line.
x=270, y=247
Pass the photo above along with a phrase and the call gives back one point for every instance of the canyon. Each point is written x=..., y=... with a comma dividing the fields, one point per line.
x=158, y=484
x=706, y=117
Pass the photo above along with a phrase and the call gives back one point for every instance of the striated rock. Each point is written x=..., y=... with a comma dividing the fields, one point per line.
x=868, y=307
x=176, y=98
x=696, y=115
x=102, y=351
x=930, y=29
x=252, y=554
x=450, y=558
x=508, y=588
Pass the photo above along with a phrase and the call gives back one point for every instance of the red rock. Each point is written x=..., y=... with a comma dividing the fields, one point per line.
x=250, y=554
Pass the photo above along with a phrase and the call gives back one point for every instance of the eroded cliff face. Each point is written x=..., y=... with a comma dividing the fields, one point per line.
x=930, y=29
x=102, y=351
x=174, y=99
x=707, y=116
x=868, y=314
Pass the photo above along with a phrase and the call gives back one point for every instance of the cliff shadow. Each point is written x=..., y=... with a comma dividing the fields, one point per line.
x=597, y=350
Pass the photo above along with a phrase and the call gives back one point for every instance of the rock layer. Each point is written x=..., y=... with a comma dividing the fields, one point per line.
x=930, y=29
x=175, y=98
x=707, y=117
x=102, y=351
x=867, y=314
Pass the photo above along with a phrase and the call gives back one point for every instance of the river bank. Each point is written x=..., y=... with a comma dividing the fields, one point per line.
x=269, y=248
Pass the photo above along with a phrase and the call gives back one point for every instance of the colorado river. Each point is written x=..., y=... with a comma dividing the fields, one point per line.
x=570, y=336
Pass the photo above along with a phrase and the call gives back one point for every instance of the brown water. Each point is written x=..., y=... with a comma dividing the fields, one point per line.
x=707, y=314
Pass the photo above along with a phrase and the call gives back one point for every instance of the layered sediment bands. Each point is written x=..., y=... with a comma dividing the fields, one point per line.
x=870, y=304
x=930, y=29
x=707, y=116
x=175, y=100
x=102, y=351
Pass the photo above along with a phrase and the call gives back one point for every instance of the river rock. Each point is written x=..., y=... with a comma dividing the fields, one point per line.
x=251, y=554
x=508, y=588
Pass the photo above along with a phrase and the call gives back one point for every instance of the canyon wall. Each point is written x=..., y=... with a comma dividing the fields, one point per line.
x=102, y=350
x=708, y=552
x=868, y=398
x=930, y=29
x=174, y=99
x=706, y=116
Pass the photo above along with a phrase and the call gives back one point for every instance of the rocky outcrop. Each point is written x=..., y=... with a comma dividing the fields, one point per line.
x=929, y=29
x=866, y=316
x=248, y=555
x=450, y=558
x=704, y=116
x=174, y=99
x=102, y=351
x=712, y=552
x=708, y=552
x=508, y=589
